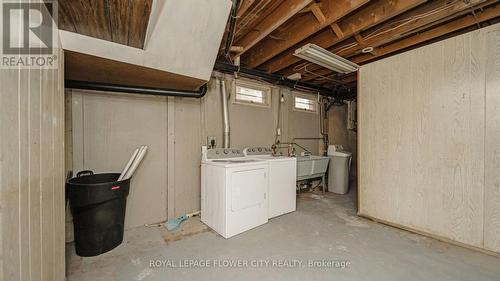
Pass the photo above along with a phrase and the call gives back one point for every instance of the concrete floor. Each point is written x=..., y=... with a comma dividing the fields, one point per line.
x=324, y=228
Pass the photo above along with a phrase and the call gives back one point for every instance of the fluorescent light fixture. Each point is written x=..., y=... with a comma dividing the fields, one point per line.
x=317, y=55
x=296, y=76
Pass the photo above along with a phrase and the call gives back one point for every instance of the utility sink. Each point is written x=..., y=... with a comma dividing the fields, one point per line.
x=312, y=166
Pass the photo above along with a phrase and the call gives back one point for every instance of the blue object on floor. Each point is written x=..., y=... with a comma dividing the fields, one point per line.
x=173, y=224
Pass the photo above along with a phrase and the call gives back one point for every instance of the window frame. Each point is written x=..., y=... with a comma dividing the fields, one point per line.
x=305, y=96
x=266, y=90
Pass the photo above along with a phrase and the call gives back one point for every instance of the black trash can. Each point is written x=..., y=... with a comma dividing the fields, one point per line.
x=98, y=206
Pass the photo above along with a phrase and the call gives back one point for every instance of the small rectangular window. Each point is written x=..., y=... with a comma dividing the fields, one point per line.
x=249, y=94
x=303, y=103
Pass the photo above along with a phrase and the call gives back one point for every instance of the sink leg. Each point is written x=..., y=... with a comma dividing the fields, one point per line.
x=323, y=181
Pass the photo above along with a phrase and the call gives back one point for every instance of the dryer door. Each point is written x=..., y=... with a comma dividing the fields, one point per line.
x=247, y=198
x=248, y=188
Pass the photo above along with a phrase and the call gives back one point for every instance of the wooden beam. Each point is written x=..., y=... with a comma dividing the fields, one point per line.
x=83, y=67
x=236, y=49
x=336, y=29
x=456, y=25
x=256, y=13
x=299, y=30
x=374, y=13
x=359, y=39
x=316, y=10
x=244, y=7
x=433, y=19
x=279, y=16
x=390, y=35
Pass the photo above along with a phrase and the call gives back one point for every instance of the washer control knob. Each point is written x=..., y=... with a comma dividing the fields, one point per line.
x=260, y=149
x=226, y=151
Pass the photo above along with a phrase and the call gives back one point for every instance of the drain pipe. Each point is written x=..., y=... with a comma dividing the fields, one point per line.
x=97, y=86
x=225, y=113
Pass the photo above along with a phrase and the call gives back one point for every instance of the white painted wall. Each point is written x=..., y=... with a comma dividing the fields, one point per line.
x=32, y=174
x=107, y=127
x=428, y=123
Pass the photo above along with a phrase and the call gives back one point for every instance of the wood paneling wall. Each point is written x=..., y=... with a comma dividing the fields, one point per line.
x=109, y=126
x=32, y=174
x=492, y=163
x=428, y=135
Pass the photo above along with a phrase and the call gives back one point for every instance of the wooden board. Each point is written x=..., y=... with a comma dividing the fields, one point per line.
x=120, y=21
x=421, y=139
x=84, y=67
x=492, y=162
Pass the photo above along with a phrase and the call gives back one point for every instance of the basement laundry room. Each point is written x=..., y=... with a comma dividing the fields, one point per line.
x=250, y=139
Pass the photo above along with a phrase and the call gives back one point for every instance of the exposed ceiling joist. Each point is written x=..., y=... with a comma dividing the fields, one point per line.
x=442, y=30
x=300, y=29
x=423, y=16
x=316, y=10
x=256, y=13
x=245, y=5
x=280, y=15
x=456, y=25
x=428, y=15
x=375, y=13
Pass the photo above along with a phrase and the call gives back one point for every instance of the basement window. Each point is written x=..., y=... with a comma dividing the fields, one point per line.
x=250, y=94
x=305, y=103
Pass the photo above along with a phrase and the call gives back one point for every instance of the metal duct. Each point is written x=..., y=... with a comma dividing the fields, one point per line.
x=225, y=114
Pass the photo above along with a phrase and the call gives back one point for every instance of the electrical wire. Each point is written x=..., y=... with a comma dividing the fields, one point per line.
x=303, y=67
x=376, y=33
x=252, y=15
x=399, y=23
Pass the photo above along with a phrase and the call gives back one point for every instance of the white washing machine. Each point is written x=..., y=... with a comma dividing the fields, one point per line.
x=233, y=191
x=282, y=180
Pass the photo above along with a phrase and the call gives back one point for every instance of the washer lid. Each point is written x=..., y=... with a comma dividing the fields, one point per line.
x=340, y=153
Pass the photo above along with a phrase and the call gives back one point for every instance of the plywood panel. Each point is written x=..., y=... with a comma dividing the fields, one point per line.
x=187, y=158
x=60, y=173
x=113, y=126
x=84, y=67
x=10, y=183
x=121, y=21
x=31, y=175
x=492, y=163
x=35, y=173
x=24, y=206
x=421, y=143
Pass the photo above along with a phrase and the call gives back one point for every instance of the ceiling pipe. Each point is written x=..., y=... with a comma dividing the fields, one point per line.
x=281, y=80
x=95, y=86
